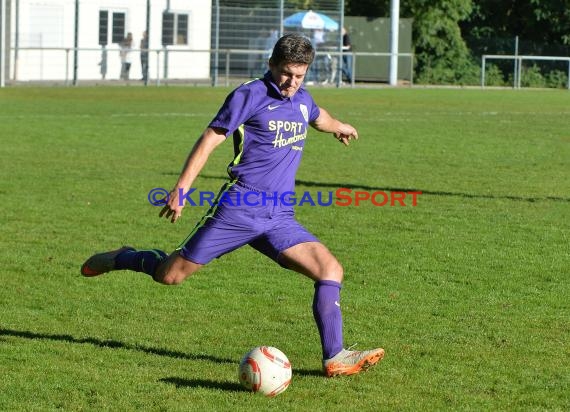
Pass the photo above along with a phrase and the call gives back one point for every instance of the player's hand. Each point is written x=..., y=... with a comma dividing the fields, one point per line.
x=173, y=208
x=346, y=134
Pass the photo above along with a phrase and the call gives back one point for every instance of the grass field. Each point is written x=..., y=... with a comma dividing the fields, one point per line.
x=468, y=291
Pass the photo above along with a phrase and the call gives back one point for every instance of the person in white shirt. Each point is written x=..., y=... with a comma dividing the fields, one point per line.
x=126, y=56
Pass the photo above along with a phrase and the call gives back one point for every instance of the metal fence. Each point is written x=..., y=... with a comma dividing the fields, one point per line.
x=243, y=25
x=517, y=62
x=220, y=42
x=234, y=66
x=215, y=42
x=518, y=66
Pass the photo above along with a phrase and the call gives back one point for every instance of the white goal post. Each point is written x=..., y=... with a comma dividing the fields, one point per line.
x=518, y=65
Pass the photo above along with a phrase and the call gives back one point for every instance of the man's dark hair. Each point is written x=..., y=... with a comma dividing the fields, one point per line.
x=292, y=48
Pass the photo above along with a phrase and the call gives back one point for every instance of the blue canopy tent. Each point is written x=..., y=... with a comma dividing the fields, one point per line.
x=310, y=20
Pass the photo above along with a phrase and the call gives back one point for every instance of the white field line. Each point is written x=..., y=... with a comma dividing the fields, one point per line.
x=96, y=116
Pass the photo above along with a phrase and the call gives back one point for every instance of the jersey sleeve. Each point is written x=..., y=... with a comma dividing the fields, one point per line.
x=235, y=110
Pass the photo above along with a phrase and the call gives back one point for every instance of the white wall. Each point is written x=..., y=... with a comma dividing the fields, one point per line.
x=50, y=23
x=182, y=63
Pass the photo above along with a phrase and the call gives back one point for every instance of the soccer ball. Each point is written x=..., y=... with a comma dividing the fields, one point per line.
x=265, y=369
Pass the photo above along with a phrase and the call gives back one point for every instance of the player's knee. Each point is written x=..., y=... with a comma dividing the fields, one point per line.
x=339, y=271
x=333, y=270
x=174, y=270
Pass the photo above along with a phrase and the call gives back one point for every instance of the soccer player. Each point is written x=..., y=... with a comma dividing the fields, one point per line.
x=268, y=119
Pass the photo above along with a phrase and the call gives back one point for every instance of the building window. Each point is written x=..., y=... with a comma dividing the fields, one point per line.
x=115, y=33
x=174, y=28
x=119, y=29
x=103, y=27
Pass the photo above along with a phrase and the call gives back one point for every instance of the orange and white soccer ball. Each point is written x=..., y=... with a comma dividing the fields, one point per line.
x=266, y=370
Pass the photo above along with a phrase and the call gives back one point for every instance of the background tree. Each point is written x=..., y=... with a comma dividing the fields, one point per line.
x=441, y=53
x=542, y=26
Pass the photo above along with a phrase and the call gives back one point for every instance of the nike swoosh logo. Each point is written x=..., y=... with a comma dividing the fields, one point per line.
x=336, y=303
x=272, y=107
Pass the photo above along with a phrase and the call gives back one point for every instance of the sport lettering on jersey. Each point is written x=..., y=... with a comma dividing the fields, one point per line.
x=278, y=125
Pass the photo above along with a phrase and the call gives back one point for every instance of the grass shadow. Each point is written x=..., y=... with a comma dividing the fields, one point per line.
x=203, y=383
x=334, y=186
x=308, y=372
x=429, y=192
x=227, y=385
x=113, y=344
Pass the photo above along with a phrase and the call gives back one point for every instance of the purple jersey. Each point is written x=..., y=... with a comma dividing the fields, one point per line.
x=269, y=133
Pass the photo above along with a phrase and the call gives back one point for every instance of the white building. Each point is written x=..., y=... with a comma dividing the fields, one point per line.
x=42, y=38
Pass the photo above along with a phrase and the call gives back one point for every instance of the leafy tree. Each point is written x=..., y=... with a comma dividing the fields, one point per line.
x=537, y=20
x=447, y=33
x=542, y=27
x=441, y=52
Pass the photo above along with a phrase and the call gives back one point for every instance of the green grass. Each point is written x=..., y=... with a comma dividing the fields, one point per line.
x=467, y=291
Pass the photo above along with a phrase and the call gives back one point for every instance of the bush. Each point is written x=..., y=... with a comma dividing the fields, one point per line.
x=532, y=77
x=494, y=76
x=468, y=72
x=462, y=72
x=557, y=79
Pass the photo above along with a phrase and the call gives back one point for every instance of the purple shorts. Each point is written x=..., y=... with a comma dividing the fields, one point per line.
x=268, y=228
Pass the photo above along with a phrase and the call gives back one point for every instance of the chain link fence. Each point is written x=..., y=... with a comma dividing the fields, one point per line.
x=239, y=25
x=218, y=42
x=211, y=42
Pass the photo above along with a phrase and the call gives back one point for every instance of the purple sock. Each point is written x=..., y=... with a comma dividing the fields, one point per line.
x=326, y=310
x=146, y=261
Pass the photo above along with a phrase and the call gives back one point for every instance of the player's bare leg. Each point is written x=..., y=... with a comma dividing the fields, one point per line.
x=168, y=270
x=175, y=269
x=315, y=261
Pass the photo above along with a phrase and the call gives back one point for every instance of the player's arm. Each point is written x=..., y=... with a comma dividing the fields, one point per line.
x=343, y=132
x=208, y=141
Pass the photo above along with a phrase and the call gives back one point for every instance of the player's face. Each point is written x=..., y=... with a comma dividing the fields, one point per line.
x=288, y=77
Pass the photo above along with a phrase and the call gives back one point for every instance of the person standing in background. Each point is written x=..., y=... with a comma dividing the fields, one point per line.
x=126, y=58
x=144, y=56
x=346, y=56
x=103, y=63
x=317, y=40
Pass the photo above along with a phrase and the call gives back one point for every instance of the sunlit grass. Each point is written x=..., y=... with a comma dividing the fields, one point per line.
x=467, y=291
